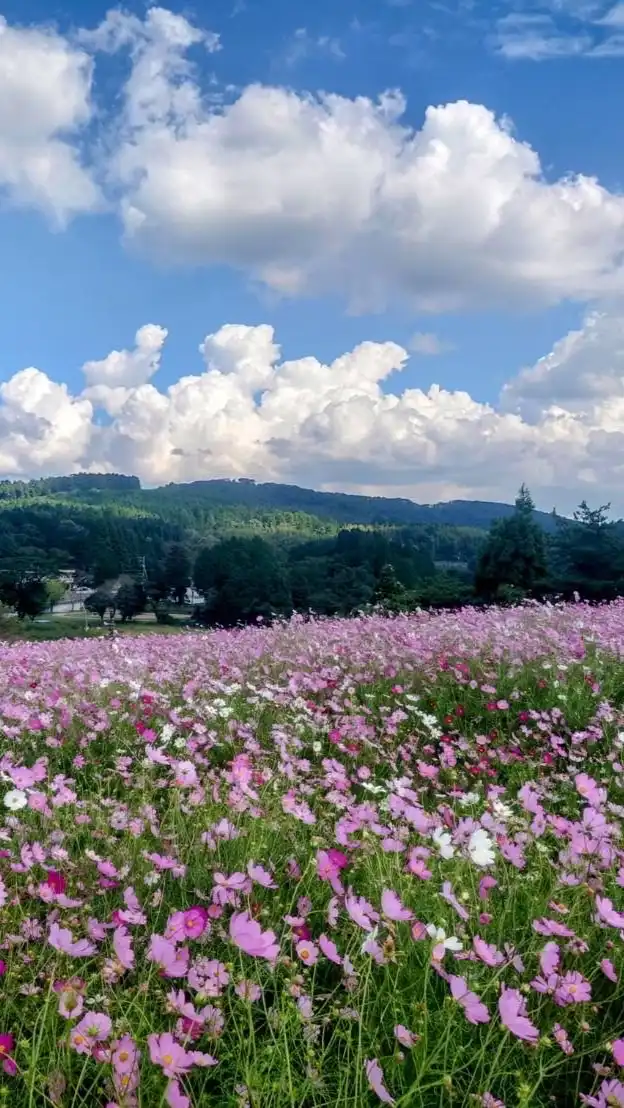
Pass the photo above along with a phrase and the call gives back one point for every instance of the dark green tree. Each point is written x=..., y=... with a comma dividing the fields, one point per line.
x=101, y=601
x=176, y=573
x=130, y=600
x=389, y=593
x=514, y=555
x=26, y=594
x=588, y=554
x=241, y=580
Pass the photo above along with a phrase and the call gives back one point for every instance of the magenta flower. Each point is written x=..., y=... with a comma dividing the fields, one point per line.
x=618, y=1051
x=7, y=1046
x=475, y=1010
x=392, y=908
x=249, y=937
x=512, y=1010
x=188, y=924
x=375, y=1079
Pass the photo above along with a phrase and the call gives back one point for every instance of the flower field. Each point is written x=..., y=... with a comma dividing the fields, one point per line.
x=322, y=864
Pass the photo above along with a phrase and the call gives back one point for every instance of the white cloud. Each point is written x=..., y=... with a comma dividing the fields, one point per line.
x=534, y=37
x=314, y=194
x=559, y=425
x=45, y=89
x=428, y=343
x=43, y=428
x=307, y=194
x=614, y=17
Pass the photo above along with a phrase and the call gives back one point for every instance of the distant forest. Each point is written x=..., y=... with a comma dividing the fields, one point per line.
x=262, y=549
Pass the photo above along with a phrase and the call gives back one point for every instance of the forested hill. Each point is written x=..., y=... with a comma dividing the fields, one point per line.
x=344, y=508
x=104, y=524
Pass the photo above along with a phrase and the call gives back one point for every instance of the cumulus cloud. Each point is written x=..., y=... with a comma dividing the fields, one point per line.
x=45, y=99
x=43, y=428
x=307, y=194
x=559, y=425
x=311, y=194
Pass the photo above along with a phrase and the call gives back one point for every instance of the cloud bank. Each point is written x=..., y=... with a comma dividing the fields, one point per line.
x=559, y=425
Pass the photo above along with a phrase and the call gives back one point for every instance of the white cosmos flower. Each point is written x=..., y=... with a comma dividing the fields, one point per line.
x=15, y=799
x=440, y=938
x=469, y=798
x=443, y=841
x=481, y=848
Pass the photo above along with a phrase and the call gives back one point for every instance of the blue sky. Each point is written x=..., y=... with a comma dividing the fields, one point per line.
x=75, y=292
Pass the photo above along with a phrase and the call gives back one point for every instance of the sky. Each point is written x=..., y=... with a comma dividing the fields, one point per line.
x=375, y=246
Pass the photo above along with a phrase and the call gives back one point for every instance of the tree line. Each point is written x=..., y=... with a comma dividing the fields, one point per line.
x=250, y=563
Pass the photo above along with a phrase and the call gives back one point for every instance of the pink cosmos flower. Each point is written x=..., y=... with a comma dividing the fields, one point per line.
x=172, y=960
x=545, y=926
x=486, y=884
x=261, y=876
x=572, y=988
x=7, y=1046
x=618, y=1051
x=375, y=1079
x=307, y=952
x=175, y=1097
x=247, y=934
x=512, y=1010
x=475, y=1010
x=330, y=950
x=561, y=1037
x=404, y=1036
x=487, y=952
x=248, y=990
x=448, y=895
x=606, y=913
x=549, y=959
x=188, y=924
x=132, y=912
x=361, y=911
x=63, y=940
x=122, y=945
x=609, y=970
x=392, y=908
x=165, y=1052
x=610, y=1095
x=93, y=1028
x=71, y=1004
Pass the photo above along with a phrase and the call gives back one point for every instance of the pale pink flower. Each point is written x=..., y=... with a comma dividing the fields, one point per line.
x=247, y=934
x=392, y=907
x=375, y=1079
